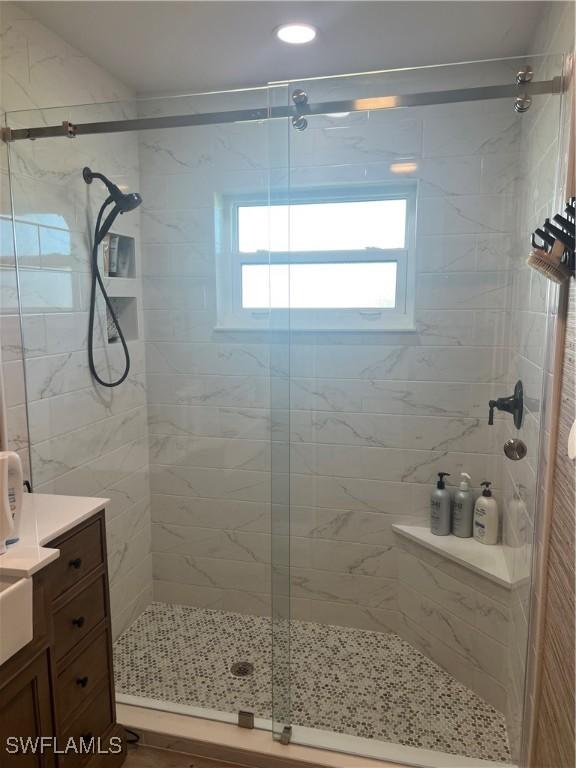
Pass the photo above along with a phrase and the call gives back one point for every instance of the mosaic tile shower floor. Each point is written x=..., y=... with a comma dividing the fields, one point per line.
x=352, y=681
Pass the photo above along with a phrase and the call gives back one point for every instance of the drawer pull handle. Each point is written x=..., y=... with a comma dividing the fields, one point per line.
x=82, y=682
x=76, y=563
x=79, y=622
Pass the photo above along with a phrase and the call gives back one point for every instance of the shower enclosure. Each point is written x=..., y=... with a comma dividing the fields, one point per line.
x=323, y=289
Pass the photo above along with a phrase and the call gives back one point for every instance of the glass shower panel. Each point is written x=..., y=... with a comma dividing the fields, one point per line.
x=182, y=447
x=13, y=419
x=80, y=437
x=395, y=635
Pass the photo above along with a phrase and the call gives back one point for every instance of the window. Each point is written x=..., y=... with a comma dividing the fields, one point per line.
x=326, y=260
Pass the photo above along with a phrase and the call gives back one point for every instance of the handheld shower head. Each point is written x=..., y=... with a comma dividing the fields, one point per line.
x=129, y=202
x=124, y=201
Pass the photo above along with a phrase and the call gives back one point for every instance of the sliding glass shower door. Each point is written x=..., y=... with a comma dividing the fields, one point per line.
x=398, y=277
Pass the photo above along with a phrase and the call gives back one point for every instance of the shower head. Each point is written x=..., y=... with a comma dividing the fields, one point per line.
x=129, y=201
x=124, y=201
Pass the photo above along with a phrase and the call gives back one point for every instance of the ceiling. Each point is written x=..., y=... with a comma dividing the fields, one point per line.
x=171, y=47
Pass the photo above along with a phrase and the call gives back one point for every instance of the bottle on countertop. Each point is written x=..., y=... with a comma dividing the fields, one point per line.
x=463, y=514
x=486, y=517
x=10, y=498
x=440, y=502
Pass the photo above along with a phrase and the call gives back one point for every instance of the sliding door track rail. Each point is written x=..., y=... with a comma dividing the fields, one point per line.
x=482, y=93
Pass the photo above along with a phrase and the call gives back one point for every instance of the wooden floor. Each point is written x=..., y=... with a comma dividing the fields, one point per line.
x=148, y=757
x=151, y=757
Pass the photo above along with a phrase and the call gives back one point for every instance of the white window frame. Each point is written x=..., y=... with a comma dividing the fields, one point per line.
x=229, y=261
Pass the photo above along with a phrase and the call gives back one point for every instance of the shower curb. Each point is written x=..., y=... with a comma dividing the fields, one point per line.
x=212, y=740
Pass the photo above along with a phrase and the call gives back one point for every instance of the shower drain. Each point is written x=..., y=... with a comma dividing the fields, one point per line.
x=242, y=669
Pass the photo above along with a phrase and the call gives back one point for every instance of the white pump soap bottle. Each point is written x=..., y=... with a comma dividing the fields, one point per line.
x=463, y=508
x=486, y=517
x=11, y=482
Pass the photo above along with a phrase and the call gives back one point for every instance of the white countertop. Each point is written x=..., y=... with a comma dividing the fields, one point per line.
x=44, y=517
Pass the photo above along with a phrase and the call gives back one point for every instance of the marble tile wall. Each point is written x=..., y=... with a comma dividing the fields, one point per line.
x=457, y=617
x=208, y=392
x=83, y=440
x=374, y=416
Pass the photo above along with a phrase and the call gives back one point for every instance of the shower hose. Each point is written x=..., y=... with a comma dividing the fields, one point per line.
x=100, y=232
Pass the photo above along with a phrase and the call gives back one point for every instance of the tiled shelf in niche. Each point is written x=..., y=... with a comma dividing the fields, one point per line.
x=119, y=256
x=126, y=310
x=121, y=287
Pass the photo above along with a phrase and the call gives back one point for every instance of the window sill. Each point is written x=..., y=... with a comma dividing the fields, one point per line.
x=267, y=329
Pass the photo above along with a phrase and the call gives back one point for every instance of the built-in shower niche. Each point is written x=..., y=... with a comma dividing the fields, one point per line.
x=126, y=310
x=119, y=256
x=119, y=272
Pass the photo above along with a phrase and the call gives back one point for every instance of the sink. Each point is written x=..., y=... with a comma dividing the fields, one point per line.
x=15, y=616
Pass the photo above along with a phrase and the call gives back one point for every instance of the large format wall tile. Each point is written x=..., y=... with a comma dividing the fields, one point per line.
x=211, y=572
x=473, y=607
x=480, y=651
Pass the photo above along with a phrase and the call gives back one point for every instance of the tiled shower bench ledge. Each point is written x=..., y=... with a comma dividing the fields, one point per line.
x=487, y=561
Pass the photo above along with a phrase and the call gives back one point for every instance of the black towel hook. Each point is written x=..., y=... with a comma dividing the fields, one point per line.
x=548, y=239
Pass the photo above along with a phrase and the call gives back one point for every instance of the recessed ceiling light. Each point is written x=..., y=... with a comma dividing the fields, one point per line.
x=296, y=34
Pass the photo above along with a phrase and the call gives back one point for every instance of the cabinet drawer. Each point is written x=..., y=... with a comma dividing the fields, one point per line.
x=91, y=723
x=78, y=681
x=77, y=617
x=79, y=554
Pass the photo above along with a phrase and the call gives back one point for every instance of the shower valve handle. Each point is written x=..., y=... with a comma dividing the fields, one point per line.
x=514, y=404
x=492, y=405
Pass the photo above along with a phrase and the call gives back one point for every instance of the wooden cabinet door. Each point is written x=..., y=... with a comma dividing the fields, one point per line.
x=26, y=714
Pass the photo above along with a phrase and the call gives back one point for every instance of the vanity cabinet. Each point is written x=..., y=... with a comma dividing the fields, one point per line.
x=61, y=684
x=26, y=711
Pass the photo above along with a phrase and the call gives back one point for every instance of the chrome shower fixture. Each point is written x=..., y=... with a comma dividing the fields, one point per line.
x=525, y=75
x=300, y=99
x=523, y=102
